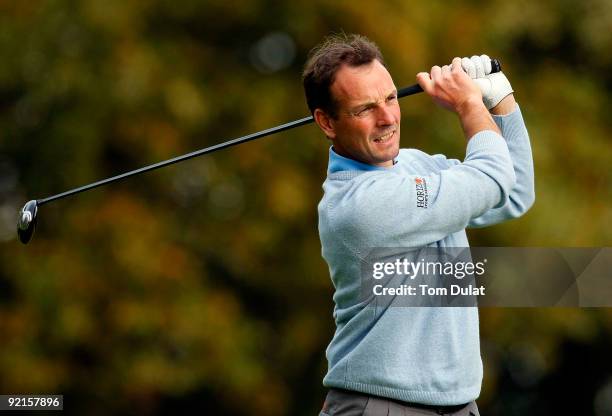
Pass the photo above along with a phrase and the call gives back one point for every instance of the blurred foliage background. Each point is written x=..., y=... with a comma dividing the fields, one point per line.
x=201, y=287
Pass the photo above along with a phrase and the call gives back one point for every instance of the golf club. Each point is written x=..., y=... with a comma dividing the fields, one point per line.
x=28, y=214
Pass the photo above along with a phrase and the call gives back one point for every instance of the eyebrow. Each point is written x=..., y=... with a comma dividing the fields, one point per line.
x=369, y=104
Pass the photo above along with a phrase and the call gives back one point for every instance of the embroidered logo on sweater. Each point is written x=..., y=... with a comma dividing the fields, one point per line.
x=421, y=192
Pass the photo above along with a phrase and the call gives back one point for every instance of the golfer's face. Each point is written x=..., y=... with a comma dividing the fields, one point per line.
x=367, y=128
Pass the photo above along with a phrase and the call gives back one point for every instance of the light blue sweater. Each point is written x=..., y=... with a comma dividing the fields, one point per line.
x=422, y=355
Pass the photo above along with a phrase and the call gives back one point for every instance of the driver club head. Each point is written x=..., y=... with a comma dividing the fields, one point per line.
x=27, y=221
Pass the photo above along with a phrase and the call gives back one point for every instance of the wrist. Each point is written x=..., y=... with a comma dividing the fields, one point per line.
x=475, y=117
x=471, y=107
x=505, y=106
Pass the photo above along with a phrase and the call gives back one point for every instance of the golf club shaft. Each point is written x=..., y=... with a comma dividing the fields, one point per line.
x=404, y=92
x=413, y=89
x=233, y=142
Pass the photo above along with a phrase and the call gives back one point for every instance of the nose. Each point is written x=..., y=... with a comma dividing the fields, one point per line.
x=386, y=115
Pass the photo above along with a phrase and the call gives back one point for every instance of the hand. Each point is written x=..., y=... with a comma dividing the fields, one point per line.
x=450, y=86
x=453, y=89
x=494, y=87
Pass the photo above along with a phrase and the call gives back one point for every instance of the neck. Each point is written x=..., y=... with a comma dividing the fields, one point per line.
x=343, y=153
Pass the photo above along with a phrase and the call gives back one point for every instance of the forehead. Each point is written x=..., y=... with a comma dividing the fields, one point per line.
x=361, y=84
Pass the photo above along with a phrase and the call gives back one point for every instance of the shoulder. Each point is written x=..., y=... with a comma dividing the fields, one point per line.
x=408, y=154
x=422, y=163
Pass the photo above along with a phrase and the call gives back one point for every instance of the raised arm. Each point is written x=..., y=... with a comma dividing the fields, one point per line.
x=498, y=98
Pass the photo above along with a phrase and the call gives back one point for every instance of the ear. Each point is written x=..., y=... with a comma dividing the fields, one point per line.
x=325, y=123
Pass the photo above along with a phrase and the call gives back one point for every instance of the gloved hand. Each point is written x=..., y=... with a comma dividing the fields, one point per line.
x=494, y=87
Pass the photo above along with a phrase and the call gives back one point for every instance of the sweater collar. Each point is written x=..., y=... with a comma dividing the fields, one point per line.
x=339, y=163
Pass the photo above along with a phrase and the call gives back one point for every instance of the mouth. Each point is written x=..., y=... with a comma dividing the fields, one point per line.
x=384, y=138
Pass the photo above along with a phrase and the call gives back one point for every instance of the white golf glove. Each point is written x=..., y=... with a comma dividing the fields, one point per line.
x=494, y=87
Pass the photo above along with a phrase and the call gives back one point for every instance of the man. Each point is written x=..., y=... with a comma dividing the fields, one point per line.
x=407, y=361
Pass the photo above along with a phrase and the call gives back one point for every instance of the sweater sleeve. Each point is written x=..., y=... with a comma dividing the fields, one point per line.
x=381, y=209
x=522, y=195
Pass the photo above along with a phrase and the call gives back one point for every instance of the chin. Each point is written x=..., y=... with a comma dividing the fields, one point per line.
x=393, y=154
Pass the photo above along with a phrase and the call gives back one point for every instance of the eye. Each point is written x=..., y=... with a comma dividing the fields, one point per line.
x=364, y=112
x=392, y=97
